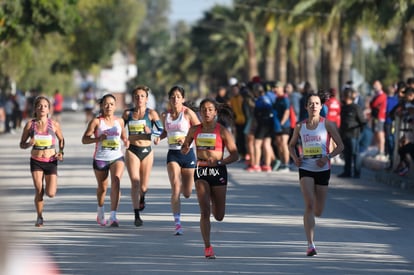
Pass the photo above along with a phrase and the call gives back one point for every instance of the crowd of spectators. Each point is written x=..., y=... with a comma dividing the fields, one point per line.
x=378, y=124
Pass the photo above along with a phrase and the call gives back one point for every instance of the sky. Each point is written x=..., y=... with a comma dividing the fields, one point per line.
x=192, y=10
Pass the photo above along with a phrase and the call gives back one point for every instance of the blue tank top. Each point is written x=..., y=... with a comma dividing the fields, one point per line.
x=137, y=126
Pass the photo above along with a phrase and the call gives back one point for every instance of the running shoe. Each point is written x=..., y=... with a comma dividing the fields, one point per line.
x=276, y=165
x=283, y=168
x=39, y=222
x=253, y=168
x=138, y=221
x=209, y=253
x=311, y=251
x=114, y=223
x=101, y=220
x=266, y=168
x=403, y=171
x=178, y=230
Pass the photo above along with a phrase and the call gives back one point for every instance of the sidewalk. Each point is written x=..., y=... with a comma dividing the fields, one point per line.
x=387, y=176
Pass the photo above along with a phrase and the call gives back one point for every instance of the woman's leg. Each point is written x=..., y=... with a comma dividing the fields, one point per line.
x=203, y=196
x=187, y=176
x=133, y=165
x=145, y=171
x=308, y=191
x=258, y=151
x=37, y=177
x=218, y=201
x=174, y=175
x=117, y=170
x=267, y=151
x=102, y=180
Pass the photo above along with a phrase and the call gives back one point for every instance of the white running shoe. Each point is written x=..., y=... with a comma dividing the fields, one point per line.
x=100, y=219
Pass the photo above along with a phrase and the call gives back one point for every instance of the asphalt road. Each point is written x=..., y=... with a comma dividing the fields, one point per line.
x=367, y=226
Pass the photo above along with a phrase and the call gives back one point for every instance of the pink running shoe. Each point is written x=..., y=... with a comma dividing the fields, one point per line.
x=209, y=253
x=311, y=251
x=178, y=230
x=253, y=168
x=114, y=223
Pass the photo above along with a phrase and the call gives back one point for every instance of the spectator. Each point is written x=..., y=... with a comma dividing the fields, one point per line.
x=249, y=129
x=307, y=89
x=366, y=134
x=263, y=113
x=89, y=101
x=57, y=105
x=352, y=122
x=222, y=96
x=9, y=109
x=378, y=107
x=406, y=150
x=282, y=107
x=236, y=104
x=333, y=113
x=389, y=125
x=294, y=97
x=334, y=108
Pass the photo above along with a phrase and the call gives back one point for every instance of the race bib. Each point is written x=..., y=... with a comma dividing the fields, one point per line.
x=136, y=127
x=173, y=140
x=43, y=142
x=312, y=152
x=206, y=141
x=111, y=143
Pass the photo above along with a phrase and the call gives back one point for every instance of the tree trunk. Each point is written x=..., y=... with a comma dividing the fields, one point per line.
x=325, y=49
x=282, y=58
x=346, y=62
x=310, y=58
x=270, y=56
x=294, y=73
x=407, y=52
x=335, y=58
x=251, y=55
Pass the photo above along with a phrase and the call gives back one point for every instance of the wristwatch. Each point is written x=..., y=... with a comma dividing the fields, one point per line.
x=219, y=163
x=329, y=156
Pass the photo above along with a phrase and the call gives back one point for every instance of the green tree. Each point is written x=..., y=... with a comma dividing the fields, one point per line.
x=106, y=26
x=23, y=25
x=151, y=47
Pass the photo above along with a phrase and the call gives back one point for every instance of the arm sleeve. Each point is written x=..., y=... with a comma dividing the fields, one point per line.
x=159, y=128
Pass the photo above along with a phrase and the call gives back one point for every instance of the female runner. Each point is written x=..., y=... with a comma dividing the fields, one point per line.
x=107, y=131
x=139, y=156
x=41, y=133
x=314, y=164
x=177, y=121
x=211, y=173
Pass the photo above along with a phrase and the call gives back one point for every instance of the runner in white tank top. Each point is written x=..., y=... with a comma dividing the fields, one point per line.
x=315, y=143
x=314, y=162
x=108, y=149
x=177, y=121
x=107, y=132
x=176, y=129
